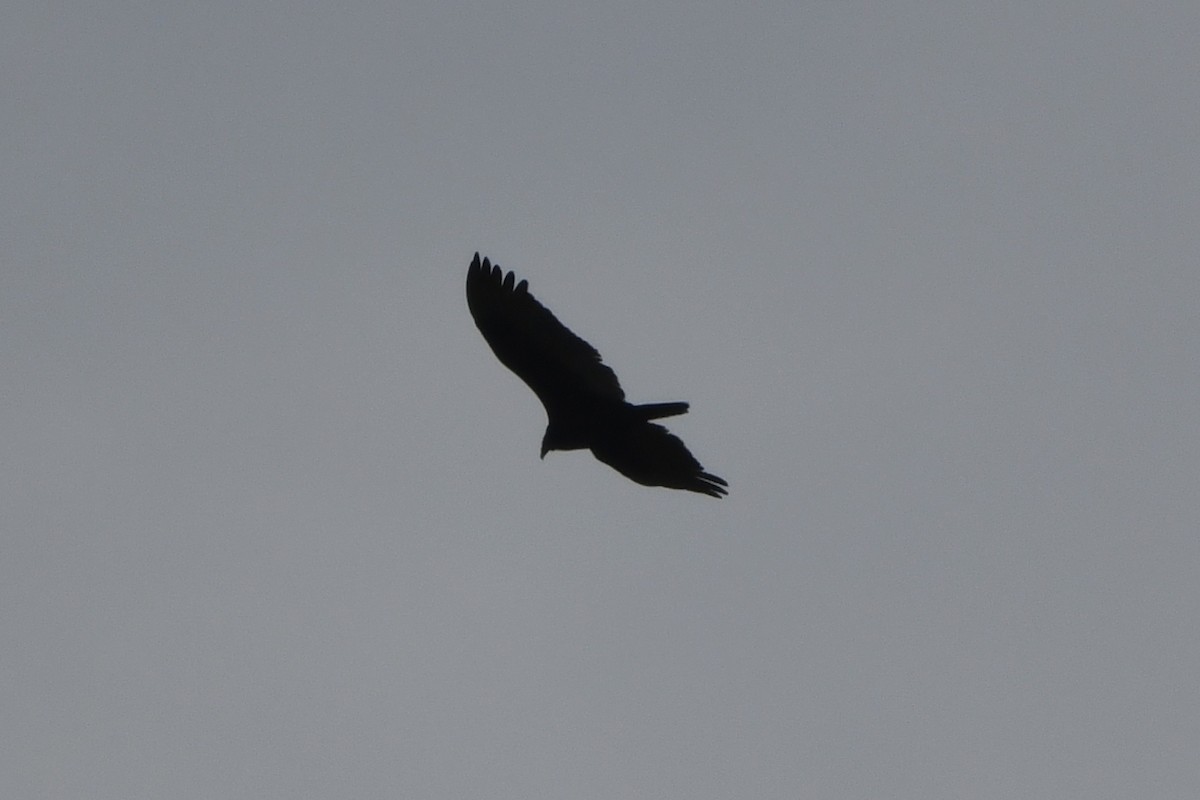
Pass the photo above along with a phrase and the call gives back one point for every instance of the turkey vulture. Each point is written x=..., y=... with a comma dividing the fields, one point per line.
x=585, y=405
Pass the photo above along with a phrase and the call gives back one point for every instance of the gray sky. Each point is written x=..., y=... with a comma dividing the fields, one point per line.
x=272, y=520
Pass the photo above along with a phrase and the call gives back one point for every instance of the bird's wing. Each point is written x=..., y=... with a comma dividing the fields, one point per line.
x=653, y=456
x=560, y=367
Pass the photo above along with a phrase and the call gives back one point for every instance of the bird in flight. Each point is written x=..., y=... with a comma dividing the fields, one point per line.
x=585, y=405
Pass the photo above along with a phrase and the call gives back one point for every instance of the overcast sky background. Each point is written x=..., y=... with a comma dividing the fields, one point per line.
x=273, y=519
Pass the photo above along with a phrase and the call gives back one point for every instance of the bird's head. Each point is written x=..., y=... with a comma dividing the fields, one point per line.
x=553, y=440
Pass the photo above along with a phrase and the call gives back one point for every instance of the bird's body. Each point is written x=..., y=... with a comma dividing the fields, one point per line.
x=585, y=405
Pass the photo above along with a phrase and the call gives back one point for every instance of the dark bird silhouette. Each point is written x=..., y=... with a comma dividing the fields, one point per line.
x=585, y=406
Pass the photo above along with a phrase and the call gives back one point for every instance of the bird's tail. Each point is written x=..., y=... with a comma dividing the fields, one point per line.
x=660, y=410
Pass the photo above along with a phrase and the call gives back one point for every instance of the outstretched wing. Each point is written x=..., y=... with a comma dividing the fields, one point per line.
x=653, y=456
x=561, y=368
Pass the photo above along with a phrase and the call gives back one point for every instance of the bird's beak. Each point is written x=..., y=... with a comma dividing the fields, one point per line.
x=544, y=451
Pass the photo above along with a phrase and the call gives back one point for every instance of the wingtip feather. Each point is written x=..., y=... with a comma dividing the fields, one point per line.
x=711, y=485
